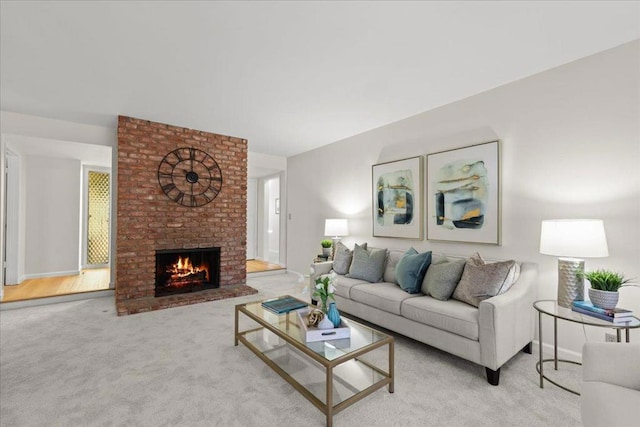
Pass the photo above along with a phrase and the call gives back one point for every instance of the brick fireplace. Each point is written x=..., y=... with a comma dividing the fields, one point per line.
x=148, y=221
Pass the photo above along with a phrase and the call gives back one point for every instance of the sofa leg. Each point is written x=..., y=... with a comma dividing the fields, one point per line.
x=493, y=377
x=528, y=348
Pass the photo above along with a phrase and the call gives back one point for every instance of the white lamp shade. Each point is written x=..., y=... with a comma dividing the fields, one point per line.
x=578, y=238
x=336, y=227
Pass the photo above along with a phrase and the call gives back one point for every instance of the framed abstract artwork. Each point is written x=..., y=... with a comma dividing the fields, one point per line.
x=397, y=198
x=463, y=194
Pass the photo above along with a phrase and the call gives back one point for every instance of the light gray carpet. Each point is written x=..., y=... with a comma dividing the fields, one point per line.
x=78, y=364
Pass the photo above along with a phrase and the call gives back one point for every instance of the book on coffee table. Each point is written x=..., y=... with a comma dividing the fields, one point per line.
x=283, y=305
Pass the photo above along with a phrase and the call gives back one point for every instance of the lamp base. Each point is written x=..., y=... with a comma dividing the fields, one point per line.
x=570, y=286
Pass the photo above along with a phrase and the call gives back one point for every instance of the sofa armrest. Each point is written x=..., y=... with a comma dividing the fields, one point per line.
x=506, y=321
x=610, y=393
x=613, y=363
x=317, y=269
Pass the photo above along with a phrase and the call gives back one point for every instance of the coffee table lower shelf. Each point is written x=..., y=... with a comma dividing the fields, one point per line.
x=330, y=384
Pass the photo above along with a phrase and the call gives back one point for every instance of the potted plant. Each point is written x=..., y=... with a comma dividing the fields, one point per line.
x=326, y=247
x=603, y=292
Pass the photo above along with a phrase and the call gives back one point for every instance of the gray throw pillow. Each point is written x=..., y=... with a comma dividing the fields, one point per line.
x=512, y=276
x=342, y=258
x=438, y=259
x=479, y=282
x=411, y=269
x=367, y=265
x=393, y=257
x=441, y=279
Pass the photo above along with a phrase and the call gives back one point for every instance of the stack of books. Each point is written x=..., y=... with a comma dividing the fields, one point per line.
x=283, y=304
x=614, y=315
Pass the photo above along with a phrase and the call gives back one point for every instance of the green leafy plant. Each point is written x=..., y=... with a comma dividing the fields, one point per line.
x=326, y=243
x=324, y=290
x=605, y=280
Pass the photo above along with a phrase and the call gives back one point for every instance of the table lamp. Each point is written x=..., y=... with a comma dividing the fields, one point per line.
x=571, y=240
x=335, y=228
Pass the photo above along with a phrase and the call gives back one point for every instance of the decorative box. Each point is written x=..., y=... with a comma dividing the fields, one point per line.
x=311, y=333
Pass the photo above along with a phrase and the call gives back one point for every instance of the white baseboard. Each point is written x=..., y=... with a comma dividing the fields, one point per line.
x=266, y=273
x=57, y=299
x=51, y=274
x=563, y=353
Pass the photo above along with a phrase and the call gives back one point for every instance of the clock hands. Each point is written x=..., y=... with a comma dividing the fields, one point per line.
x=190, y=177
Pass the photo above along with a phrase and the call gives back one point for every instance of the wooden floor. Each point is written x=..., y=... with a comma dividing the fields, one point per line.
x=96, y=279
x=255, y=266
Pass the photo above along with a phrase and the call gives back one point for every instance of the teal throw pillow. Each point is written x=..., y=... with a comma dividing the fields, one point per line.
x=411, y=269
x=367, y=264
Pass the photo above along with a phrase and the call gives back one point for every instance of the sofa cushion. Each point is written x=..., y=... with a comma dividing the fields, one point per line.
x=441, y=279
x=411, y=269
x=367, y=264
x=342, y=258
x=479, y=282
x=451, y=316
x=393, y=256
x=384, y=296
x=344, y=284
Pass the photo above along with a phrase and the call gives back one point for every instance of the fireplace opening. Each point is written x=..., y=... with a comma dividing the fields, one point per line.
x=187, y=270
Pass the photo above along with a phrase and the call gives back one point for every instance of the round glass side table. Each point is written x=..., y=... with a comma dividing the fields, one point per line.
x=551, y=308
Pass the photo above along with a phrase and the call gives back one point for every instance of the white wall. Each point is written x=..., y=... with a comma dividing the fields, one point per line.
x=570, y=149
x=41, y=127
x=52, y=216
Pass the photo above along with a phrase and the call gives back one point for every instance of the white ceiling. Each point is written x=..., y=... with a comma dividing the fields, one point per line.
x=287, y=76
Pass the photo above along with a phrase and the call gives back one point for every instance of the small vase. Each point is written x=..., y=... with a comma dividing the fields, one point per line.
x=603, y=299
x=333, y=314
x=325, y=323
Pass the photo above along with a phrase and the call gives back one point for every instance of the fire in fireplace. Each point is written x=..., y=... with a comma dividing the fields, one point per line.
x=187, y=270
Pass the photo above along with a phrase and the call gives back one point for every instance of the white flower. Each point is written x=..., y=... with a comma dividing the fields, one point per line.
x=319, y=285
x=332, y=288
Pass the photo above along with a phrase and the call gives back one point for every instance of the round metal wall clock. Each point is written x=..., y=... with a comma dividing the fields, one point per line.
x=190, y=177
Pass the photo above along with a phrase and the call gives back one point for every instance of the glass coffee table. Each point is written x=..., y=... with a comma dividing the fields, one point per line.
x=331, y=374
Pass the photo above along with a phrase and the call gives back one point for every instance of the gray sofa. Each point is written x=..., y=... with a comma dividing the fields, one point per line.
x=488, y=335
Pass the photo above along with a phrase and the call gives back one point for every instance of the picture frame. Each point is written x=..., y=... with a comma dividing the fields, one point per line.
x=463, y=194
x=397, y=196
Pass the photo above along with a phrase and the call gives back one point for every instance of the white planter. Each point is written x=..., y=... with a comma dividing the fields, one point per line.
x=326, y=251
x=603, y=299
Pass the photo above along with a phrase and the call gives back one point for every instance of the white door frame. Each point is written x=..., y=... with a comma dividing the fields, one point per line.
x=12, y=217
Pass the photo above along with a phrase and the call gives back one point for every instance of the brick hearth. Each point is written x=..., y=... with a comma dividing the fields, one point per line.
x=148, y=220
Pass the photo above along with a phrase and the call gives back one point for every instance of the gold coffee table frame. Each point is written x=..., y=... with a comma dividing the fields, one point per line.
x=286, y=327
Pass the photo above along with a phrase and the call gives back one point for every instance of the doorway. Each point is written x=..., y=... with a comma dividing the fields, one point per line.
x=97, y=196
x=60, y=215
x=265, y=213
